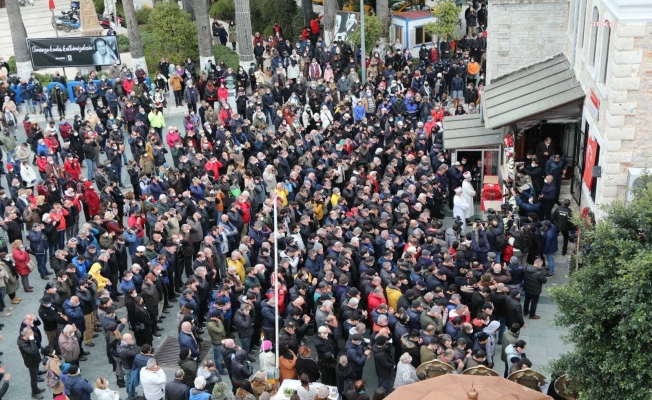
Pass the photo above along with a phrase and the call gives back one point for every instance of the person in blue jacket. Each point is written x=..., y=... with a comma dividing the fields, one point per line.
x=75, y=383
x=549, y=231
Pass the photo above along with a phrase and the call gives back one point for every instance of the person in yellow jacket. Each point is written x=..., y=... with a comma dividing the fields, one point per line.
x=95, y=273
x=237, y=261
x=156, y=121
x=282, y=193
x=393, y=294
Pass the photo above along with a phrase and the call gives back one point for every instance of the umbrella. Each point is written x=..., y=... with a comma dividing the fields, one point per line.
x=466, y=387
x=51, y=5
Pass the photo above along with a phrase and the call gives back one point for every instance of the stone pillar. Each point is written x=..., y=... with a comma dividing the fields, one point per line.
x=90, y=25
x=203, y=32
x=243, y=26
x=330, y=9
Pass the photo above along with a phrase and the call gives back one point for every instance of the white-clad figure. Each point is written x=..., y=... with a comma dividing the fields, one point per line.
x=468, y=193
x=460, y=206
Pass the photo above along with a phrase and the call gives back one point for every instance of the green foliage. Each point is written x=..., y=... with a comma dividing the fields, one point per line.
x=99, y=6
x=45, y=79
x=123, y=43
x=605, y=306
x=223, y=10
x=142, y=15
x=447, y=14
x=373, y=32
x=173, y=35
x=264, y=13
x=297, y=22
x=226, y=54
x=12, y=63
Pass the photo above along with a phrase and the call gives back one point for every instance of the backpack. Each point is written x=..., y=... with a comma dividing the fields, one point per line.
x=51, y=378
x=74, y=395
x=500, y=243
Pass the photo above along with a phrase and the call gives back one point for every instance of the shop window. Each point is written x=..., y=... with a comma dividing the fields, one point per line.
x=396, y=33
x=604, y=53
x=421, y=36
x=594, y=35
x=581, y=27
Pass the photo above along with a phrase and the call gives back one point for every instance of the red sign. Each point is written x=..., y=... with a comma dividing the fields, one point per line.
x=591, y=154
x=51, y=5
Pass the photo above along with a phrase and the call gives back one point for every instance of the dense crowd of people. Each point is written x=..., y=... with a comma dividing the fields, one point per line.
x=357, y=170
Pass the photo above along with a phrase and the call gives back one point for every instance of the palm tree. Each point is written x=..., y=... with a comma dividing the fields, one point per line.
x=203, y=31
x=243, y=26
x=330, y=9
x=382, y=12
x=19, y=40
x=135, y=42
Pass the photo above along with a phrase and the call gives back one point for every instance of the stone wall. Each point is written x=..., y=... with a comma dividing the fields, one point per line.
x=524, y=32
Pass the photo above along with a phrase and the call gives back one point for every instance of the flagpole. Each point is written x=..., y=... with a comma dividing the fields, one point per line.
x=56, y=30
x=277, y=280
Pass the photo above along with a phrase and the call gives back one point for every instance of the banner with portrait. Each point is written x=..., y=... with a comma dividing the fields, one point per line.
x=74, y=52
x=345, y=24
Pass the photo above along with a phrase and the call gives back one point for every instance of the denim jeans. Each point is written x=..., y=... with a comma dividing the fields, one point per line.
x=41, y=261
x=245, y=343
x=217, y=356
x=503, y=325
x=551, y=263
x=62, y=239
x=90, y=164
x=131, y=389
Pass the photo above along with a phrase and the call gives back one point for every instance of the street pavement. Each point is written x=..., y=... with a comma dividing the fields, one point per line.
x=543, y=338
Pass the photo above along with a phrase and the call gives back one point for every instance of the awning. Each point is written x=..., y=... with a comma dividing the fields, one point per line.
x=533, y=90
x=468, y=131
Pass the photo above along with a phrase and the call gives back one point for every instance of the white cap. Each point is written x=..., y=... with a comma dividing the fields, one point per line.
x=467, y=175
x=140, y=249
x=458, y=190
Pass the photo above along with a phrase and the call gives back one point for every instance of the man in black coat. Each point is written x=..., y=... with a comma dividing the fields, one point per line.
x=177, y=389
x=51, y=315
x=562, y=217
x=383, y=362
x=535, y=278
x=32, y=359
x=514, y=310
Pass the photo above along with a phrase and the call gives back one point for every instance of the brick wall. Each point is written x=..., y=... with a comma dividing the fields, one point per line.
x=524, y=32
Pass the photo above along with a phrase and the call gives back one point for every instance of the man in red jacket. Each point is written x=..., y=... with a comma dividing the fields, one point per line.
x=315, y=28
x=59, y=213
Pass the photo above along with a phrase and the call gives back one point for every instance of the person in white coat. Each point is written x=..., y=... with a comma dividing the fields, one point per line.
x=28, y=175
x=153, y=380
x=468, y=193
x=326, y=117
x=460, y=206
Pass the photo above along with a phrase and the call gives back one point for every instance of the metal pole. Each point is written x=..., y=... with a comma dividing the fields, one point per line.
x=363, y=50
x=277, y=280
x=56, y=32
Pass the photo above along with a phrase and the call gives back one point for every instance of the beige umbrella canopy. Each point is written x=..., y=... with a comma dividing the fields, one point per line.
x=466, y=387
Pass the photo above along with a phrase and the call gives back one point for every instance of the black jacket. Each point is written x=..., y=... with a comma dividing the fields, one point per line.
x=383, y=361
x=241, y=369
x=342, y=374
x=50, y=317
x=535, y=278
x=309, y=367
x=514, y=312
x=29, y=351
x=176, y=390
x=289, y=339
x=226, y=356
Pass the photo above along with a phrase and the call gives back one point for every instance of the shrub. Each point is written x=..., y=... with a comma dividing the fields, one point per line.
x=173, y=35
x=142, y=15
x=44, y=79
x=226, y=54
x=123, y=43
x=99, y=6
x=224, y=10
x=12, y=63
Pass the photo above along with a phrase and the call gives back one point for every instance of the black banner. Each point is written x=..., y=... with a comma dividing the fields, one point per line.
x=74, y=52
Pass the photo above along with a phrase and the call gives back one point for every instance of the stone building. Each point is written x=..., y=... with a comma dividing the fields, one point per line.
x=579, y=71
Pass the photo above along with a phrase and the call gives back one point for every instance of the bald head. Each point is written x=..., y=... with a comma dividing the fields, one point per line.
x=186, y=327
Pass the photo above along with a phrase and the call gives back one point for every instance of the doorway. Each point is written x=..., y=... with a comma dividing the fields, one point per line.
x=481, y=163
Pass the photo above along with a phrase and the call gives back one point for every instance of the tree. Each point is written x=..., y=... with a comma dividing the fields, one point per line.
x=447, y=15
x=382, y=11
x=372, y=33
x=243, y=27
x=189, y=7
x=330, y=9
x=135, y=42
x=605, y=305
x=173, y=35
x=204, y=33
x=19, y=39
x=306, y=7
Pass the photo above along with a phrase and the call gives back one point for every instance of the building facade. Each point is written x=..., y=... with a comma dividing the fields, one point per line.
x=606, y=46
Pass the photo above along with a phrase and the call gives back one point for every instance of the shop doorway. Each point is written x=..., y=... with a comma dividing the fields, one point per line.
x=480, y=163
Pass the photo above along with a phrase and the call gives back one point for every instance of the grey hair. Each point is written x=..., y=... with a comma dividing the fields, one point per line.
x=151, y=363
x=26, y=331
x=327, y=303
x=67, y=328
x=199, y=270
x=200, y=382
x=178, y=374
x=382, y=318
x=406, y=358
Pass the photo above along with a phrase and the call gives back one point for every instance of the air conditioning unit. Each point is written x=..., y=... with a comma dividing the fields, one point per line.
x=635, y=179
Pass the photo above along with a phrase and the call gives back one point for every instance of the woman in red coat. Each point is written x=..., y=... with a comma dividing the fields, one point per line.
x=222, y=93
x=72, y=167
x=21, y=258
x=92, y=199
x=375, y=299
